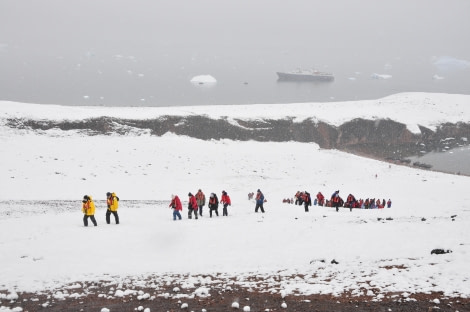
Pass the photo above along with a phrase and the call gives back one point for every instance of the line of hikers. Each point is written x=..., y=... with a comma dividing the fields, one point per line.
x=197, y=202
x=195, y=206
x=304, y=198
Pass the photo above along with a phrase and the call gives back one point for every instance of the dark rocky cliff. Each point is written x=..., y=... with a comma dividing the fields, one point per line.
x=382, y=139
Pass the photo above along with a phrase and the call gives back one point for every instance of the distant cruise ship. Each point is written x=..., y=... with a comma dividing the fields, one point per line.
x=305, y=75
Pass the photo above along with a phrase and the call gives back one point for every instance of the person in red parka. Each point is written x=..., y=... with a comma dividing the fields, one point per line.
x=321, y=199
x=176, y=206
x=192, y=206
x=225, y=200
x=307, y=200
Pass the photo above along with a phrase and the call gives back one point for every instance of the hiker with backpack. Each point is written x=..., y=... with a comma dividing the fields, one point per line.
x=307, y=200
x=225, y=201
x=201, y=200
x=336, y=201
x=321, y=199
x=176, y=206
x=192, y=206
x=213, y=204
x=112, y=202
x=88, y=208
x=259, y=201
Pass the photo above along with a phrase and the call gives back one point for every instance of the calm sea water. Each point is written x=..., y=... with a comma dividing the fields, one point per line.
x=123, y=53
x=97, y=77
x=456, y=161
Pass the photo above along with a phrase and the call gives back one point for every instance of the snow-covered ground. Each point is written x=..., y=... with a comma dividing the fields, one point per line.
x=47, y=246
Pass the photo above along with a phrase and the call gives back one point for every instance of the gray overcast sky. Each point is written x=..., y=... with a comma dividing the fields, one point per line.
x=339, y=24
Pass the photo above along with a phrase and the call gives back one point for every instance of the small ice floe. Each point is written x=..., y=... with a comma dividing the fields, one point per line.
x=204, y=80
x=451, y=63
x=380, y=76
x=352, y=78
x=437, y=77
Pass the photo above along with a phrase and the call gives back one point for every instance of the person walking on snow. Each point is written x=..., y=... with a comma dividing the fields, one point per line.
x=213, y=204
x=307, y=200
x=88, y=208
x=113, y=202
x=225, y=200
x=176, y=206
x=259, y=201
x=321, y=199
x=336, y=200
x=192, y=206
x=201, y=200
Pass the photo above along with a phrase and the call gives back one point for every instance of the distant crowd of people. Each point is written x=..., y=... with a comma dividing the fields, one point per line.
x=304, y=198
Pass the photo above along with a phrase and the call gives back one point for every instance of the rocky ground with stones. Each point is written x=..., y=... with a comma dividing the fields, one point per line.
x=106, y=297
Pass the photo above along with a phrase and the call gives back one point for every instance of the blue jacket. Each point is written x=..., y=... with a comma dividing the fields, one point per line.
x=259, y=198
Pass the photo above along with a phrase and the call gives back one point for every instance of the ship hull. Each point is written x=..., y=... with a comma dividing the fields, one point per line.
x=305, y=77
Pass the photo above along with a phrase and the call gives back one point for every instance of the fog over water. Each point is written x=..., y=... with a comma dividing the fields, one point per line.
x=144, y=53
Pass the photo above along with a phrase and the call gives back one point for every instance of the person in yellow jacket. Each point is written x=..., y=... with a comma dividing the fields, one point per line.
x=113, y=203
x=88, y=208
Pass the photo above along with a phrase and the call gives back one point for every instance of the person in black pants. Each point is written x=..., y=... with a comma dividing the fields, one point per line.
x=259, y=201
x=88, y=209
x=213, y=204
x=113, y=202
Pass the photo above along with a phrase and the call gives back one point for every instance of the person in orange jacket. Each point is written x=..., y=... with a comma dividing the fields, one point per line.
x=88, y=208
x=225, y=201
x=176, y=206
x=192, y=206
x=336, y=201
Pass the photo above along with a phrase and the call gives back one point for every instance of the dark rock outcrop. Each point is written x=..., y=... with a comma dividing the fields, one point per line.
x=382, y=138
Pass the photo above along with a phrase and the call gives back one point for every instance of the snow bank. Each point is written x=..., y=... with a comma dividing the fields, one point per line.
x=412, y=109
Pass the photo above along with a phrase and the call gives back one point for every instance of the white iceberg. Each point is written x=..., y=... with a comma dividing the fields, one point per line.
x=451, y=63
x=203, y=79
x=380, y=76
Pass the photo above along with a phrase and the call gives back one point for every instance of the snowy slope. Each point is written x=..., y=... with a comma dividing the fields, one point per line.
x=44, y=250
